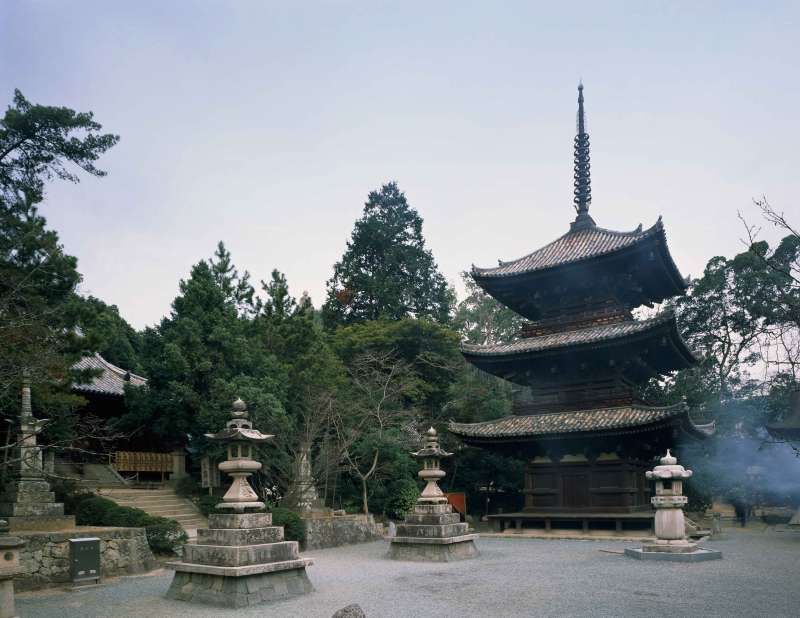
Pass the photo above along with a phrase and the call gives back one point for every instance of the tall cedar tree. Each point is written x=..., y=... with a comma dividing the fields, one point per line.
x=386, y=271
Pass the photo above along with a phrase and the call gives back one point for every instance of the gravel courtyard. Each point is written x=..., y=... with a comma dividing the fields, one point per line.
x=759, y=575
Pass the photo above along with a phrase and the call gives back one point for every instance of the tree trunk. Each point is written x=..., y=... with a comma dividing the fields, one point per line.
x=364, y=495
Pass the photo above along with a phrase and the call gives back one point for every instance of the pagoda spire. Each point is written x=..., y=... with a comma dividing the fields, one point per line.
x=582, y=175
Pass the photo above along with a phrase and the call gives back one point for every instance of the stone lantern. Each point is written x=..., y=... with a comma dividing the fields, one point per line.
x=432, y=532
x=430, y=456
x=241, y=559
x=9, y=567
x=671, y=542
x=239, y=437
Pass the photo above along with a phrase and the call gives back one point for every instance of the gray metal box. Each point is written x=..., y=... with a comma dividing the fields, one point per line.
x=84, y=559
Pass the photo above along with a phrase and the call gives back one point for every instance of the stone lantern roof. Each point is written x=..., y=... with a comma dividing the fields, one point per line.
x=431, y=450
x=669, y=469
x=239, y=428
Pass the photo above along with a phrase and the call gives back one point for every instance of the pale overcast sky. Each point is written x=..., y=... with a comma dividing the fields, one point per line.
x=266, y=124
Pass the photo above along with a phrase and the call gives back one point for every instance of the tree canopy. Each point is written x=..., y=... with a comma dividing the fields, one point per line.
x=386, y=271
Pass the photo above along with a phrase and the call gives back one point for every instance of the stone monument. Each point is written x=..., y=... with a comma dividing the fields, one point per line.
x=433, y=532
x=241, y=559
x=27, y=502
x=671, y=542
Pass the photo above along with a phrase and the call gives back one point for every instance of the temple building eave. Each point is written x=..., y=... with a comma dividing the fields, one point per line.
x=580, y=424
x=607, y=335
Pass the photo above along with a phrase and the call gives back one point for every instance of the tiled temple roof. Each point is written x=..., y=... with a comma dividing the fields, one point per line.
x=111, y=381
x=592, y=334
x=606, y=420
x=574, y=246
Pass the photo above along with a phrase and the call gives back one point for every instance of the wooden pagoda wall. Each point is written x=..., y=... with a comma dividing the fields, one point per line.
x=609, y=485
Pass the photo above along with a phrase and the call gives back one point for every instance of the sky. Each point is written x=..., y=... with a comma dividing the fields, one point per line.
x=266, y=124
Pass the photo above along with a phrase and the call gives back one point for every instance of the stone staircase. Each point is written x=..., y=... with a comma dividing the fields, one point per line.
x=89, y=475
x=163, y=502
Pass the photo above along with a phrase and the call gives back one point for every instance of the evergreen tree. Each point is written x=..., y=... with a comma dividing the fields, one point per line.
x=386, y=271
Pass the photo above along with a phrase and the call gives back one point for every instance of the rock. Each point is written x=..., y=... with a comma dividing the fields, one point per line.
x=351, y=611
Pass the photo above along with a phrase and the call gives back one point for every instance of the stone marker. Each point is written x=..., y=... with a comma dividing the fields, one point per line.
x=27, y=502
x=433, y=532
x=671, y=542
x=241, y=559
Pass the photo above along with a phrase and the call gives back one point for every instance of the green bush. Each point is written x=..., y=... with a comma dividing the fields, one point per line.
x=187, y=487
x=403, y=494
x=165, y=536
x=293, y=527
x=94, y=511
x=128, y=517
x=207, y=504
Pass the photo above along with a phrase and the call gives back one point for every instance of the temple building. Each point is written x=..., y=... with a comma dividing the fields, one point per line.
x=581, y=359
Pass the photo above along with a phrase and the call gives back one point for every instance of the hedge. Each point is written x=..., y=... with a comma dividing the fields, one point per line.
x=163, y=535
x=293, y=527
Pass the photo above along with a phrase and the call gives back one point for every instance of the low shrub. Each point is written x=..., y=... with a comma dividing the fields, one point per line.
x=187, y=487
x=293, y=527
x=207, y=504
x=165, y=536
x=94, y=511
x=128, y=517
x=403, y=494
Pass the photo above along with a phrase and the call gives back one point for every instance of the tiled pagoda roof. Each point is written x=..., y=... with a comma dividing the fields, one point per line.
x=582, y=336
x=575, y=246
x=623, y=419
x=111, y=381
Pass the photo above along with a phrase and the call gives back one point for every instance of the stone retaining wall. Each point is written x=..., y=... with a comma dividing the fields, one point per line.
x=345, y=530
x=45, y=557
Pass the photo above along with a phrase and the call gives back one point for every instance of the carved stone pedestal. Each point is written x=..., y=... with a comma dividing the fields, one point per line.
x=433, y=533
x=240, y=560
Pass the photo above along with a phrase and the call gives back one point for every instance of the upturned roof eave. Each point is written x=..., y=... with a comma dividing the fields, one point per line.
x=678, y=415
x=665, y=318
x=497, y=272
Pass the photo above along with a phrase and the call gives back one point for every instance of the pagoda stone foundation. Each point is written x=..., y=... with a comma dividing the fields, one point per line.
x=432, y=532
x=241, y=559
x=671, y=542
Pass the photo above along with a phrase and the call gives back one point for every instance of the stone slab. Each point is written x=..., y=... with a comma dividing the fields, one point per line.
x=428, y=552
x=239, y=520
x=240, y=571
x=41, y=523
x=411, y=540
x=432, y=508
x=239, y=536
x=699, y=555
x=432, y=519
x=233, y=556
x=253, y=589
x=432, y=531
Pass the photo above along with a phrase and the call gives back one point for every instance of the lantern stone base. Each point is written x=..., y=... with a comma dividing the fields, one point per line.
x=240, y=560
x=433, y=533
x=696, y=555
x=240, y=586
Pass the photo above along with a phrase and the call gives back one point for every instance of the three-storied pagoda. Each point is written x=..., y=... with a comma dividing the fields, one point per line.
x=586, y=434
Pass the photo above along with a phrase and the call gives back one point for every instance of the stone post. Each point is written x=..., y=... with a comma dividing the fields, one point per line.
x=178, y=465
x=9, y=567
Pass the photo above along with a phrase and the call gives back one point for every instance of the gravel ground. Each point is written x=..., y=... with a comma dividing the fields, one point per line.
x=759, y=575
